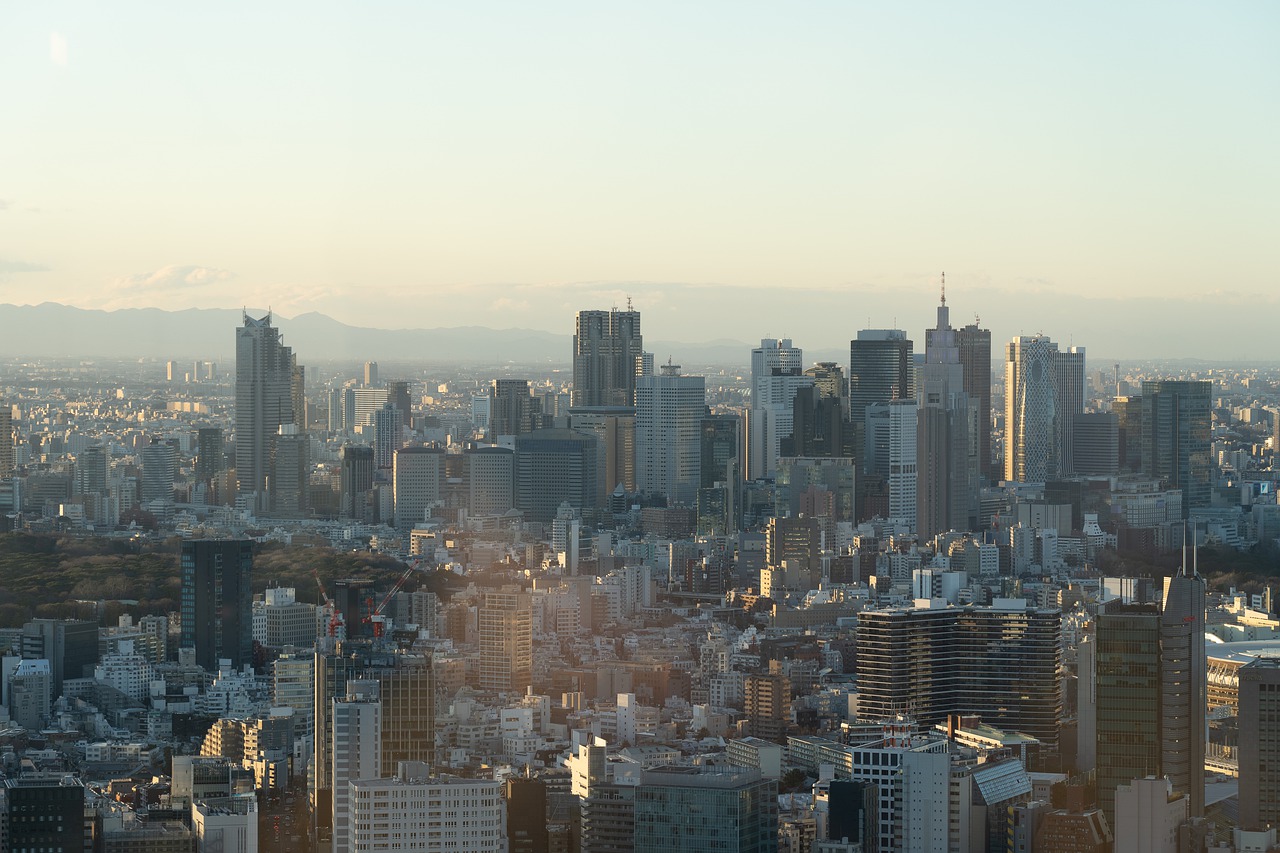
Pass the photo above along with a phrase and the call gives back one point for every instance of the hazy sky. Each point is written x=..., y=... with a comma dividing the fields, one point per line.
x=741, y=169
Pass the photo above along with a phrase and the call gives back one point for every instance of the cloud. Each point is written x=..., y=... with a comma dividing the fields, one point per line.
x=58, y=49
x=171, y=278
x=5, y=204
x=21, y=266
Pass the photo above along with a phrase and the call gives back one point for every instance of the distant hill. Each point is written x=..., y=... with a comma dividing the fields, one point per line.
x=51, y=330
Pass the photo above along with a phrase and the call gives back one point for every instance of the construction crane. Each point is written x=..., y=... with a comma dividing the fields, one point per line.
x=376, y=613
x=335, y=618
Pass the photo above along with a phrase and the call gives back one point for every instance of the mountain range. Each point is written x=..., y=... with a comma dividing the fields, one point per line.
x=52, y=330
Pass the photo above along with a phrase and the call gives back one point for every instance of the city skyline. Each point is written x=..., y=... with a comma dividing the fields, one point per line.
x=901, y=142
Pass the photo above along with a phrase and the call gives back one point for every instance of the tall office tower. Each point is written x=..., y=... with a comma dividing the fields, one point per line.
x=357, y=751
x=355, y=481
x=554, y=466
x=370, y=374
x=6, y=439
x=947, y=456
x=1043, y=392
x=211, y=454
x=777, y=373
x=359, y=404
x=418, y=483
x=818, y=426
x=975, y=359
x=512, y=410
x=1002, y=662
x=831, y=383
x=615, y=430
x=1097, y=444
x=172, y=372
x=606, y=345
x=1183, y=681
x=1148, y=814
x=398, y=392
x=264, y=401
x=70, y=647
x=1128, y=412
x=880, y=370
x=159, y=468
x=336, y=421
x=28, y=692
x=1176, y=423
x=1260, y=730
x=407, y=691
x=682, y=809
x=721, y=443
x=91, y=470
x=903, y=474
x=298, y=394
x=1127, y=687
x=42, y=812
x=387, y=435
x=669, y=411
x=290, y=483
x=491, y=480
x=217, y=601
x=506, y=640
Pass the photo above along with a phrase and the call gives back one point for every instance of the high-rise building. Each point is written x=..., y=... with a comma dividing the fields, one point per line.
x=975, y=358
x=1148, y=814
x=777, y=373
x=1260, y=743
x=892, y=448
x=360, y=404
x=767, y=704
x=427, y=812
x=1097, y=444
x=159, y=468
x=290, y=483
x=6, y=439
x=387, y=435
x=606, y=346
x=880, y=370
x=512, y=410
x=947, y=456
x=1183, y=681
x=356, y=719
x=71, y=647
x=211, y=454
x=1128, y=412
x=818, y=426
x=355, y=481
x=526, y=815
x=1176, y=424
x=370, y=374
x=692, y=809
x=490, y=478
x=1044, y=391
x=91, y=470
x=1127, y=694
x=217, y=601
x=506, y=640
x=669, y=412
x=407, y=692
x=615, y=430
x=398, y=396
x=1002, y=662
x=555, y=466
x=264, y=396
x=418, y=479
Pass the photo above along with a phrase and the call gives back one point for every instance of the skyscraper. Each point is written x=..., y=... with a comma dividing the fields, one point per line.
x=880, y=370
x=387, y=435
x=356, y=479
x=1177, y=420
x=264, y=400
x=6, y=439
x=512, y=411
x=490, y=478
x=1044, y=391
x=975, y=358
x=669, y=410
x=606, y=346
x=1183, y=674
x=506, y=640
x=211, y=454
x=1260, y=731
x=418, y=480
x=946, y=455
x=290, y=483
x=777, y=373
x=159, y=467
x=370, y=373
x=217, y=601
x=554, y=466
x=357, y=751
x=615, y=430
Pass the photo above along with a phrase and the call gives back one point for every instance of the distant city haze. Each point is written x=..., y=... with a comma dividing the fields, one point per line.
x=1102, y=175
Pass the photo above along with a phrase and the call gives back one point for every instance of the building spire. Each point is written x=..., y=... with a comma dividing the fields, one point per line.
x=944, y=288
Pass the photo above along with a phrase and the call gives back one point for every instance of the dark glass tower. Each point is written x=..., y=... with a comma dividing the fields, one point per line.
x=1176, y=424
x=266, y=388
x=606, y=346
x=217, y=601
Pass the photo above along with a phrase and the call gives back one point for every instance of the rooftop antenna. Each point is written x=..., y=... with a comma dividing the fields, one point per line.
x=628, y=303
x=944, y=288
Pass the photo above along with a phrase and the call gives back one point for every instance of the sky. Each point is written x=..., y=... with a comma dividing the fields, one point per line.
x=1105, y=173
